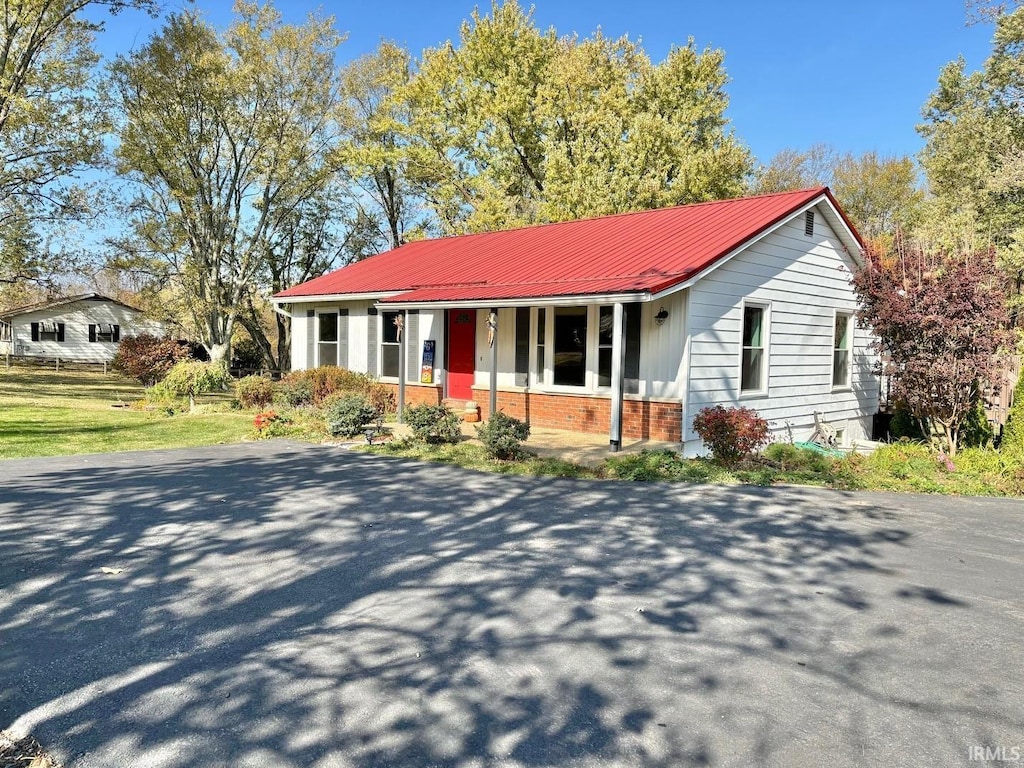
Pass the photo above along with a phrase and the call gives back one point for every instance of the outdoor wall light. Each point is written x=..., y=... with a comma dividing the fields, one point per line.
x=662, y=316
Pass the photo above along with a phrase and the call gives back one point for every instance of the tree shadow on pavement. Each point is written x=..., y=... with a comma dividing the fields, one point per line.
x=291, y=605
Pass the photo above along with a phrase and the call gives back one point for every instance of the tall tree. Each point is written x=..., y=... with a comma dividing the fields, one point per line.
x=377, y=153
x=791, y=169
x=51, y=121
x=941, y=320
x=516, y=125
x=879, y=194
x=224, y=135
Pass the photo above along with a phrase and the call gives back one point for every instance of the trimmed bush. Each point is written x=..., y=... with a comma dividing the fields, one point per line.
x=381, y=397
x=503, y=436
x=191, y=379
x=328, y=379
x=254, y=391
x=296, y=389
x=346, y=415
x=147, y=358
x=731, y=433
x=434, y=424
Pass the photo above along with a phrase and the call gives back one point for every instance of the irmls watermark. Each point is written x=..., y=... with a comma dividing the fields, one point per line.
x=997, y=754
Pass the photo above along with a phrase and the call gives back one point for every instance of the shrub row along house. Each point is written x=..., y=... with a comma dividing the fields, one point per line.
x=83, y=328
x=625, y=324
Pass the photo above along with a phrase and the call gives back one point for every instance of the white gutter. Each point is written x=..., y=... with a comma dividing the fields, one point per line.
x=545, y=301
x=329, y=297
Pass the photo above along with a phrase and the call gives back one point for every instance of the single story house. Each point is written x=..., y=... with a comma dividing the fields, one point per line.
x=82, y=328
x=626, y=324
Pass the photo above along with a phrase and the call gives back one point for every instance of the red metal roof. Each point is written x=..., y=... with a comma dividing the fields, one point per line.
x=647, y=251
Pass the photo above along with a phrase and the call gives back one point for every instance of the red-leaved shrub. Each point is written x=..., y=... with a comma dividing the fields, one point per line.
x=731, y=433
x=148, y=358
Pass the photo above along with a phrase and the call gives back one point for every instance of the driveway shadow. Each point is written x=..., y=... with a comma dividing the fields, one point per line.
x=290, y=605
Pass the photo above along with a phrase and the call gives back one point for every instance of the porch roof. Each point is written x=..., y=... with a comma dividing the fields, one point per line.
x=641, y=254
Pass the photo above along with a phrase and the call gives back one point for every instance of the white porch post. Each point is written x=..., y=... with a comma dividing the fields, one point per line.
x=492, y=333
x=402, y=342
x=618, y=374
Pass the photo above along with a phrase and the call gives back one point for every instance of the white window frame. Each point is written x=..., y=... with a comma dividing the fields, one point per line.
x=766, y=309
x=851, y=329
x=382, y=318
x=337, y=333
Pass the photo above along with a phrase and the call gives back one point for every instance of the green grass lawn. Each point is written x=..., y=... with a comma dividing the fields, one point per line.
x=49, y=413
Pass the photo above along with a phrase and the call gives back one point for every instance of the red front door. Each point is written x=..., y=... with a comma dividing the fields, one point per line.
x=461, y=353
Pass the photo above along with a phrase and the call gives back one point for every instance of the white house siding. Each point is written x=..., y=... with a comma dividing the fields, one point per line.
x=803, y=280
x=428, y=325
x=77, y=317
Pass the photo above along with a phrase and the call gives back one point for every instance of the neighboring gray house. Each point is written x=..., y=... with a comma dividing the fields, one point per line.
x=84, y=328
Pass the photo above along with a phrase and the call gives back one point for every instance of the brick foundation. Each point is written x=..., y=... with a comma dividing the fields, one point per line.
x=418, y=394
x=641, y=419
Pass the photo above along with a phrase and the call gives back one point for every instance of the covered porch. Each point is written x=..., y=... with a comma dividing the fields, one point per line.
x=611, y=365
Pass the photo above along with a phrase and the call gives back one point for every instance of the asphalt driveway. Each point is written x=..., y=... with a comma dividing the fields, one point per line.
x=281, y=604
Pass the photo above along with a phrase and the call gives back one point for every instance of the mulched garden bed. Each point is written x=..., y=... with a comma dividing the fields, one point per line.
x=24, y=753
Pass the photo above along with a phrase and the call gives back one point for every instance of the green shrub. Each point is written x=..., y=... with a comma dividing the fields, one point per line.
x=903, y=425
x=254, y=391
x=731, y=433
x=434, y=424
x=793, y=458
x=296, y=389
x=147, y=358
x=647, y=465
x=346, y=415
x=247, y=355
x=328, y=379
x=1013, y=430
x=503, y=436
x=976, y=431
x=191, y=379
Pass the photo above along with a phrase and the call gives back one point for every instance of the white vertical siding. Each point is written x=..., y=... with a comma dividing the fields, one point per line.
x=803, y=280
x=77, y=317
x=430, y=326
x=662, y=372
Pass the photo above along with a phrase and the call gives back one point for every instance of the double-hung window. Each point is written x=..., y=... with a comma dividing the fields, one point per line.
x=569, y=361
x=842, y=347
x=753, y=356
x=390, y=349
x=327, y=338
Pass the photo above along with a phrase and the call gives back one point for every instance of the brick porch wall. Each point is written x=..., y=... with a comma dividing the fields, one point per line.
x=418, y=394
x=641, y=419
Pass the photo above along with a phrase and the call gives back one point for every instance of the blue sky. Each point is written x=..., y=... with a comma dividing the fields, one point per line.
x=851, y=74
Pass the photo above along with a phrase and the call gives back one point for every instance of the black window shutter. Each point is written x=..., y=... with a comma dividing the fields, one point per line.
x=60, y=332
x=92, y=332
x=35, y=331
x=343, y=338
x=312, y=331
x=117, y=333
x=412, y=340
x=371, y=341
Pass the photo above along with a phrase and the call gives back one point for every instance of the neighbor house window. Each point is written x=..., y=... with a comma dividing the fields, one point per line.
x=390, y=351
x=104, y=332
x=327, y=338
x=569, y=361
x=48, y=330
x=842, y=346
x=753, y=375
